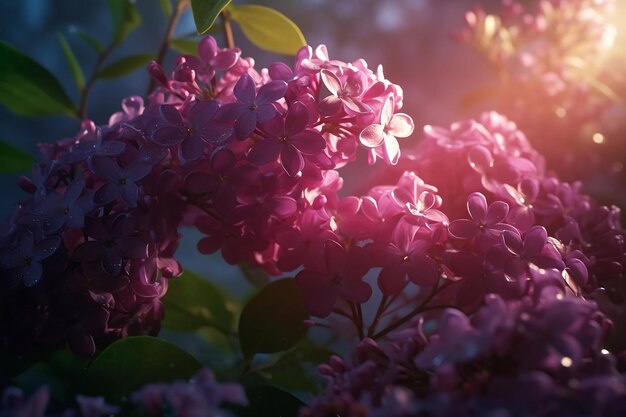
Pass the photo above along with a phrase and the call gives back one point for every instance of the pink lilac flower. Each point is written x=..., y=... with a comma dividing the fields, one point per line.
x=405, y=254
x=345, y=91
x=381, y=138
x=486, y=224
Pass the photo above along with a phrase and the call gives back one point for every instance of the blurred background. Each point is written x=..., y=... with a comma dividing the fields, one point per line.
x=426, y=46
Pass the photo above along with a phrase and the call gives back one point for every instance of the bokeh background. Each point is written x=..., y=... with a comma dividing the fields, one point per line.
x=412, y=39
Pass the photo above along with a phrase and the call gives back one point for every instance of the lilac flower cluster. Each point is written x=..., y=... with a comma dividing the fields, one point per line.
x=15, y=403
x=244, y=157
x=518, y=357
x=202, y=395
x=512, y=257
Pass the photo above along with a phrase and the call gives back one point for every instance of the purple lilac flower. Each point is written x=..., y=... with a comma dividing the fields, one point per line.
x=252, y=108
x=22, y=260
x=289, y=138
x=112, y=241
x=121, y=182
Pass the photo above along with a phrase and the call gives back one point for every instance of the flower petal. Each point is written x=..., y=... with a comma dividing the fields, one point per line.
x=245, y=90
x=291, y=159
x=272, y=91
x=401, y=125
x=264, y=152
x=372, y=136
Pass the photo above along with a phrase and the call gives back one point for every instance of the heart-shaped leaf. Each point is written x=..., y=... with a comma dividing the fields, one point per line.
x=273, y=320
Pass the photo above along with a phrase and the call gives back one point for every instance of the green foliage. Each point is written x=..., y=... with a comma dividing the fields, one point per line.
x=27, y=88
x=166, y=7
x=192, y=303
x=269, y=29
x=125, y=66
x=77, y=72
x=185, y=46
x=125, y=19
x=130, y=363
x=205, y=13
x=255, y=276
x=62, y=372
x=13, y=159
x=273, y=320
x=268, y=400
x=91, y=41
x=295, y=369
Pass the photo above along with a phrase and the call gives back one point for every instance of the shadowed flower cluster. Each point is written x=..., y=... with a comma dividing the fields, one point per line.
x=241, y=154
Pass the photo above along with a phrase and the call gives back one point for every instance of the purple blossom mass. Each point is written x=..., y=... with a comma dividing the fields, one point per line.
x=477, y=282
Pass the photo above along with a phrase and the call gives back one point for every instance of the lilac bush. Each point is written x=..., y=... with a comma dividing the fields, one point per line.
x=471, y=278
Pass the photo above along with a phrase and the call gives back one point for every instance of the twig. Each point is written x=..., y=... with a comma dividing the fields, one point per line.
x=227, y=29
x=418, y=310
x=84, y=98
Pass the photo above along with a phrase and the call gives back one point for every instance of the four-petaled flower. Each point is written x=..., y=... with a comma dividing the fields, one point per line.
x=252, y=108
x=289, y=138
x=340, y=274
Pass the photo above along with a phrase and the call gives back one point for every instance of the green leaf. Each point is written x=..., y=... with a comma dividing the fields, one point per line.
x=13, y=159
x=296, y=369
x=77, y=72
x=125, y=19
x=27, y=88
x=205, y=13
x=185, y=46
x=130, y=363
x=273, y=320
x=269, y=29
x=255, y=276
x=125, y=66
x=90, y=40
x=267, y=400
x=192, y=303
x=166, y=7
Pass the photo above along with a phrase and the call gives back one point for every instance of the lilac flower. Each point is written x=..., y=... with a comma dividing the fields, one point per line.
x=210, y=59
x=22, y=260
x=199, y=128
x=405, y=255
x=90, y=142
x=340, y=274
x=113, y=241
x=486, y=224
x=456, y=342
x=535, y=247
x=14, y=401
x=120, y=182
x=56, y=211
x=289, y=138
x=252, y=108
x=201, y=396
x=345, y=92
x=383, y=135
